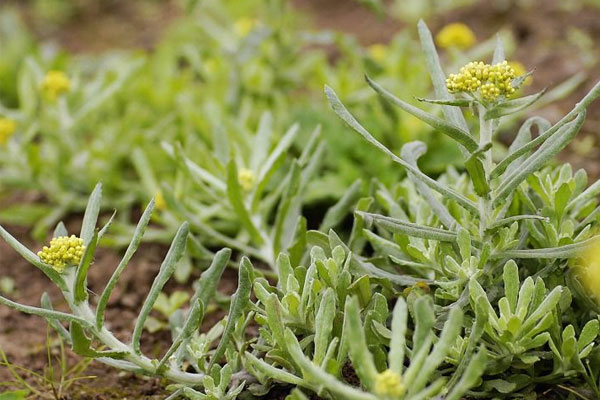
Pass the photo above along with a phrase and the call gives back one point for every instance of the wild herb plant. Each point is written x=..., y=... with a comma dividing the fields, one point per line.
x=502, y=220
x=66, y=263
x=466, y=285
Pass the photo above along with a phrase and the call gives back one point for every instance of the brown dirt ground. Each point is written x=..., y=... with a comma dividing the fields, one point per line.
x=114, y=24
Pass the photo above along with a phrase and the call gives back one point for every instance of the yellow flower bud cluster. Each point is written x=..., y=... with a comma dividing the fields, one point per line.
x=243, y=26
x=589, y=272
x=389, y=384
x=63, y=251
x=491, y=81
x=456, y=35
x=246, y=178
x=378, y=52
x=7, y=128
x=55, y=83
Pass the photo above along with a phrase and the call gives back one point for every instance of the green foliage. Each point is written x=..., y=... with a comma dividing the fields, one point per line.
x=445, y=286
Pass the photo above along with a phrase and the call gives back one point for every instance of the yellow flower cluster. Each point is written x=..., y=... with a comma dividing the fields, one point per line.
x=63, y=251
x=55, y=83
x=491, y=80
x=243, y=26
x=389, y=384
x=456, y=35
x=378, y=51
x=7, y=128
x=589, y=273
x=246, y=178
x=159, y=201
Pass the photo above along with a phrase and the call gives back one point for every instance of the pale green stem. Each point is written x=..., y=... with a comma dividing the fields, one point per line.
x=485, y=137
x=83, y=310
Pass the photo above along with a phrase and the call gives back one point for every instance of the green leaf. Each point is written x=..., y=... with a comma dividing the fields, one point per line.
x=471, y=376
x=340, y=210
x=46, y=303
x=512, y=106
x=397, y=343
x=324, y=326
x=438, y=78
x=588, y=334
x=408, y=228
x=452, y=329
x=511, y=284
x=192, y=322
x=41, y=312
x=411, y=152
x=14, y=394
x=315, y=374
x=343, y=113
x=82, y=345
x=131, y=249
x=288, y=211
x=546, y=307
x=80, y=284
x=24, y=214
x=236, y=196
x=239, y=304
x=90, y=218
x=498, y=51
x=458, y=134
x=476, y=171
x=547, y=150
x=166, y=270
x=33, y=259
x=361, y=357
x=208, y=281
x=520, y=147
x=566, y=251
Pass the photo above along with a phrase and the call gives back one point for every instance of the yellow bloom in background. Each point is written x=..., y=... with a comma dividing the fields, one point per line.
x=456, y=35
x=378, y=51
x=389, y=384
x=520, y=70
x=7, y=128
x=243, y=26
x=246, y=178
x=55, y=83
x=63, y=251
x=159, y=201
x=589, y=272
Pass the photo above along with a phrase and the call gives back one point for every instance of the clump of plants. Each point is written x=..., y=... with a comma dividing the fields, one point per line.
x=475, y=284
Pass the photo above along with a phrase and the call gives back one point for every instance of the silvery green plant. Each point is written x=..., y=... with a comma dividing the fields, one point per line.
x=89, y=333
x=312, y=328
x=465, y=233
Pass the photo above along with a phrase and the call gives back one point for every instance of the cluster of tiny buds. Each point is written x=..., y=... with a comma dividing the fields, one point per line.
x=63, y=251
x=389, y=384
x=55, y=83
x=246, y=178
x=491, y=81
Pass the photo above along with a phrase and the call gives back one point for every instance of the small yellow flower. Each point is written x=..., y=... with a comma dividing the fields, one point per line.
x=246, y=178
x=55, y=83
x=243, y=26
x=589, y=272
x=456, y=35
x=389, y=384
x=520, y=70
x=490, y=81
x=159, y=201
x=378, y=51
x=7, y=128
x=63, y=251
